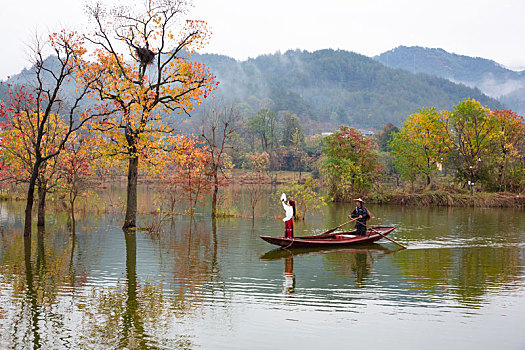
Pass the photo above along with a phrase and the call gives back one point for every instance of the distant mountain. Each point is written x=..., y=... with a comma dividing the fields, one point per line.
x=490, y=77
x=327, y=88
x=335, y=87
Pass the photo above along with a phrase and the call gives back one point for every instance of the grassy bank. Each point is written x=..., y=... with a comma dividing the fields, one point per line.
x=448, y=199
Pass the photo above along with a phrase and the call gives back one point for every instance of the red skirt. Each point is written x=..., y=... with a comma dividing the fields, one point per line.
x=288, y=228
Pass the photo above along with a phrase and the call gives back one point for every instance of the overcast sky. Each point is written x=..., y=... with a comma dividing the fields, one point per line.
x=491, y=29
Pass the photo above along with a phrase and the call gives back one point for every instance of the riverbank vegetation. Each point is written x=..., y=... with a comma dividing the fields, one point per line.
x=122, y=121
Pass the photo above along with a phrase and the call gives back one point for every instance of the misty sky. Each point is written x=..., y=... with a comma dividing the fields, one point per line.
x=491, y=29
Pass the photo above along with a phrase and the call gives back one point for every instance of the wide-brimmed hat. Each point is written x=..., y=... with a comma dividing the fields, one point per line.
x=358, y=200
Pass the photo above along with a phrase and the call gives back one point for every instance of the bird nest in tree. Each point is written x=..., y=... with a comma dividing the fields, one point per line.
x=145, y=55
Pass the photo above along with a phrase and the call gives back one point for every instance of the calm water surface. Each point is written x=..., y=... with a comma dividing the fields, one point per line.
x=216, y=285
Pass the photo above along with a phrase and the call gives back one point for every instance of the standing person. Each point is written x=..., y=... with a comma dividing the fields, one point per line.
x=362, y=215
x=289, y=209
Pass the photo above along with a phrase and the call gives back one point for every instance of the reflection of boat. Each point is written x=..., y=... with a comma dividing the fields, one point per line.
x=331, y=239
x=278, y=253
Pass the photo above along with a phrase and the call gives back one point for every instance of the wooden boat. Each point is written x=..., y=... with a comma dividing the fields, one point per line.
x=332, y=239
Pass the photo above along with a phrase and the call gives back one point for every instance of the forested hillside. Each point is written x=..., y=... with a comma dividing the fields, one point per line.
x=490, y=77
x=328, y=88
x=334, y=87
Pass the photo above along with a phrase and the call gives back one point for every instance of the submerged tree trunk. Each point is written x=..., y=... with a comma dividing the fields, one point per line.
x=42, y=191
x=131, y=205
x=29, y=201
x=215, y=194
x=73, y=225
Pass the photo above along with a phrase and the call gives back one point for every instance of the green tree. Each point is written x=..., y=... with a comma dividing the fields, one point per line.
x=306, y=197
x=475, y=131
x=350, y=165
x=264, y=126
x=293, y=133
x=385, y=137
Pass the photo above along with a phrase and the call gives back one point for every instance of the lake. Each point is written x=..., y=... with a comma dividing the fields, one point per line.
x=206, y=284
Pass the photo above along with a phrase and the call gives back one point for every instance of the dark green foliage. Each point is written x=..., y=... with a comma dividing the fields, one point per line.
x=292, y=131
x=384, y=137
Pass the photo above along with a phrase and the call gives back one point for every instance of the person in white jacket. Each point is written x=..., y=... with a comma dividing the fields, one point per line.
x=289, y=209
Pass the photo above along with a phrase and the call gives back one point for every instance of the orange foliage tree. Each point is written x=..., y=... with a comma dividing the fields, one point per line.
x=189, y=175
x=146, y=74
x=76, y=168
x=31, y=113
x=17, y=150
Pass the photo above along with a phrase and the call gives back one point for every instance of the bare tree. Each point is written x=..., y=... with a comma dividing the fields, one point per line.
x=218, y=130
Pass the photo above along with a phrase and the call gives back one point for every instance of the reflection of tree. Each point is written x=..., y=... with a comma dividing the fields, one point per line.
x=134, y=315
x=31, y=293
x=466, y=273
x=426, y=270
x=132, y=326
x=480, y=268
x=40, y=280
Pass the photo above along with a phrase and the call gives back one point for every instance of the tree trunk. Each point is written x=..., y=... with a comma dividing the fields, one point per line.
x=131, y=205
x=214, y=196
x=73, y=226
x=42, y=191
x=29, y=201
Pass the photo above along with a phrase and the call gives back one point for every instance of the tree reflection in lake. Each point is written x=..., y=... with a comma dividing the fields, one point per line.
x=203, y=283
x=468, y=274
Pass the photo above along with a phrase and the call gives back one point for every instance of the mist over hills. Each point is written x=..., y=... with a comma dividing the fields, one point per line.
x=327, y=88
x=336, y=87
x=490, y=77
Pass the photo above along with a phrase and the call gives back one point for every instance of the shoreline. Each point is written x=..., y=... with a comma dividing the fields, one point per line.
x=446, y=199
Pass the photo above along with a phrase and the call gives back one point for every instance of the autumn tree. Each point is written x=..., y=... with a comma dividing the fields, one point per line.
x=190, y=170
x=76, y=168
x=350, y=165
x=29, y=111
x=146, y=73
x=508, y=156
x=218, y=131
x=422, y=143
x=475, y=134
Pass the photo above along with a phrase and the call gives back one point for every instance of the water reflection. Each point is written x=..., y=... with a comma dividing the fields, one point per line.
x=213, y=283
x=343, y=262
x=467, y=274
x=289, y=277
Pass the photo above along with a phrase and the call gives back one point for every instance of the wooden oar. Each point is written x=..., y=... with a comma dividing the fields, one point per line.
x=335, y=228
x=382, y=235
